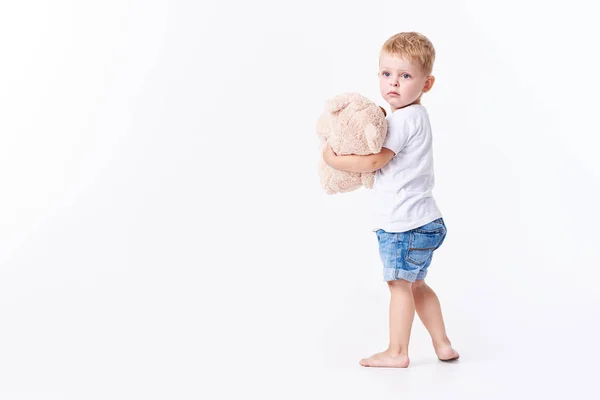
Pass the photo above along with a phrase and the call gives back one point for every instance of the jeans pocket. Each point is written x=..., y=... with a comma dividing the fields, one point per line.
x=422, y=243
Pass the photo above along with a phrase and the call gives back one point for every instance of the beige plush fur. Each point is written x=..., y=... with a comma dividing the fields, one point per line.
x=351, y=124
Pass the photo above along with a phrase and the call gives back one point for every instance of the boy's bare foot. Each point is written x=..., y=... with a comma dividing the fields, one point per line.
x=386, y=360
x=446, y=353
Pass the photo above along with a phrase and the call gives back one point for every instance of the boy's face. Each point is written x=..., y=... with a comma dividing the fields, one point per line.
x=402, y=82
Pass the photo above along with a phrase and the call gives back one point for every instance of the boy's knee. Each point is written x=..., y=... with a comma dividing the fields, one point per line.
x=418, y=285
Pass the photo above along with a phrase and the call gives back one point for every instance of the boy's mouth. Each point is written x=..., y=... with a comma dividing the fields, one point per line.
x=394, y=94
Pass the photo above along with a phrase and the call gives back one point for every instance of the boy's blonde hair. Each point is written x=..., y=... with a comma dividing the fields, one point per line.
x=411, y=46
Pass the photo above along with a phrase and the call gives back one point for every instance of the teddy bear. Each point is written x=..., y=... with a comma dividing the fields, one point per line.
x=351, y=124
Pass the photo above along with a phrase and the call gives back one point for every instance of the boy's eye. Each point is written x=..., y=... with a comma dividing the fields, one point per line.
x=385, y=73
x=405, y=76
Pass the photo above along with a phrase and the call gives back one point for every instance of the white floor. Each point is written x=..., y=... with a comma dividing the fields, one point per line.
x=159, y=322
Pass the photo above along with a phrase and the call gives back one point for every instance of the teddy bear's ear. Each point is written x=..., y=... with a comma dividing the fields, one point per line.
x=323, y=127
x=337, y=104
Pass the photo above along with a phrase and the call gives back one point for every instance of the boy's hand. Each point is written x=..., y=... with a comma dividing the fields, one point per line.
x=328, y=154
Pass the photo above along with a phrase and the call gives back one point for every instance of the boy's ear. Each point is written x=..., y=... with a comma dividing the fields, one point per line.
x=429, y=83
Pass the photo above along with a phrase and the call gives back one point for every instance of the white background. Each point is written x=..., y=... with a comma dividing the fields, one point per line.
x=163, y=234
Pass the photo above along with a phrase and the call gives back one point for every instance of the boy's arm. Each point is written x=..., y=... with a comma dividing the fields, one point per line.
x=354, y=163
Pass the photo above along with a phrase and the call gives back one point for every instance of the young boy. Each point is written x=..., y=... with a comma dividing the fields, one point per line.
x=408, y=224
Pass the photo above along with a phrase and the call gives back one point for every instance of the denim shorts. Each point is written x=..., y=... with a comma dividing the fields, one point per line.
x=407, y=255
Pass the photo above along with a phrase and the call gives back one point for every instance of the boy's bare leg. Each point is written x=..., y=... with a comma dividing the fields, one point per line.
x=402, y=313
x=429, y=310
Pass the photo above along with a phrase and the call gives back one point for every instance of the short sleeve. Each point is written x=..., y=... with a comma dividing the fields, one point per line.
x=399, y=132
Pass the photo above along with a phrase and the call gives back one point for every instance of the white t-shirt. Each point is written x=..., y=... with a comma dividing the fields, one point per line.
x=402, y=197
